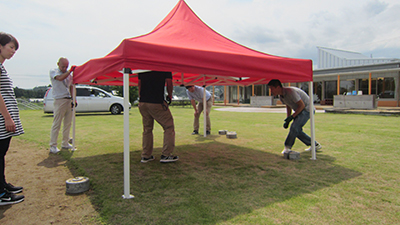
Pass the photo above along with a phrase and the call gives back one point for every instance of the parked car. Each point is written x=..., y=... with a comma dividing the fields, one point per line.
x=89, y=99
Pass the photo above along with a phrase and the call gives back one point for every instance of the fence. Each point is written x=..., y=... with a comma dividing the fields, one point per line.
x=24, y=104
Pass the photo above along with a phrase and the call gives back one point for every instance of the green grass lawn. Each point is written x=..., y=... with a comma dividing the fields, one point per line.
x=355, y=179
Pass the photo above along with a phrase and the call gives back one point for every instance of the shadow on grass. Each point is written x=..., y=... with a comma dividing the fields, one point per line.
x=90, y=114
x=52, y=161
x=210, y=183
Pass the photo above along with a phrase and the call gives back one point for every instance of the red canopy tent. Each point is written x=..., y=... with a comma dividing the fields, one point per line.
x=195, y=54
x=183, y=44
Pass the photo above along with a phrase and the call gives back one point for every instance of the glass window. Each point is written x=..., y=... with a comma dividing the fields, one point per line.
x=363, y=86
x=386, y=87
x=347, y=86
x=330, y=89
x=317, y=90
x=248, y=91
x=82, y=92
x=100, y=94
x=234, y=94
x=257, y=90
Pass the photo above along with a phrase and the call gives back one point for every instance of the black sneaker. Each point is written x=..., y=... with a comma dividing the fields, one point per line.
x=208, y=132
x=12, y=189
x=195, y=132
x=9, y=198
x=171, y=158
x=145, y=160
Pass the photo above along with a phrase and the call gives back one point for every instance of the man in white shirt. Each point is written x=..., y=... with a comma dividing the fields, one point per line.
x=196, y=93
x=61, y=80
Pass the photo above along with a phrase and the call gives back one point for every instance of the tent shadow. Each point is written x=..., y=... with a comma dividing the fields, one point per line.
x=90, y=114
x=211, y=183
x=200, y=137
x=52, y=161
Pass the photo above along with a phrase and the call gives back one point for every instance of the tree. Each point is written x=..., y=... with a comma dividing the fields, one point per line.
x=36, y=92
x=133, y=92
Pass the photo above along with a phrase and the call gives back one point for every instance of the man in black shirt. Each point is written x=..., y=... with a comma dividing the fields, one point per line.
x=153, y=107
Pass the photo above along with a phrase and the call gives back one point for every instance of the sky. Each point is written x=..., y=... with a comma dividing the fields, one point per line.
x=84, y=29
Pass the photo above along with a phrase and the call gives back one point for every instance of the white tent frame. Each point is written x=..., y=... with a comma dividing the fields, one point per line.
x=126, y=154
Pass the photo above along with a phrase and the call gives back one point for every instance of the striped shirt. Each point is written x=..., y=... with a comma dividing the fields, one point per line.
x=7, y=92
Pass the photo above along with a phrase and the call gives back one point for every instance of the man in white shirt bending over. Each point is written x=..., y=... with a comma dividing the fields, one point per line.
x=196, y=93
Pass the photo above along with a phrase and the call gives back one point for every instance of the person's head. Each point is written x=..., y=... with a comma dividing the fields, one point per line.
x=190, y=88
x=8, y=46
x=275, y=86
x=63, y=64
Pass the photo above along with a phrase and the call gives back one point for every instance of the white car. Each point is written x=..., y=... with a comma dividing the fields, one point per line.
x=89, y=99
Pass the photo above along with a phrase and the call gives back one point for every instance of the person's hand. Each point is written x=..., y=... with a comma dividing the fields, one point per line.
x=195, y=112
x=169, y=100
x=287, y=121
x=72, y=69
x=72, y=104
x=10, y=125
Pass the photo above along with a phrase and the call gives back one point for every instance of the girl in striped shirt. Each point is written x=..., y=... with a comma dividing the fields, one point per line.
x=10, y=124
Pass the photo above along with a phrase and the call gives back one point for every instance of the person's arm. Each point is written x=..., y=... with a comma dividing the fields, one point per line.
x=62, y=76
x=8, y=121
x=170, y=87
x=194, y=106
x=71, y=90
x=300, y=107
x=288, y=111
x=139, y=86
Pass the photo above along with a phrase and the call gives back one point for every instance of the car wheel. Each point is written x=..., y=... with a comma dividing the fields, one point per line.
x=116, y=109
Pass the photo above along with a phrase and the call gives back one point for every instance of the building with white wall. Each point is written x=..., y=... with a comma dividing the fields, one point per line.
x=341, y=72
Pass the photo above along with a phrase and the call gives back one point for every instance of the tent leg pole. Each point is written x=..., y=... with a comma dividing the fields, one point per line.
x=73, y=116
x=205, y=109
x=126, y=195
x=312, y=122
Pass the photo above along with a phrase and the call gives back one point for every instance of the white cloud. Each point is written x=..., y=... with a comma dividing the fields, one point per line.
x=85, y=29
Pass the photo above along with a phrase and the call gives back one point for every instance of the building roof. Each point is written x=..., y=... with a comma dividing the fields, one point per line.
x=344, y=54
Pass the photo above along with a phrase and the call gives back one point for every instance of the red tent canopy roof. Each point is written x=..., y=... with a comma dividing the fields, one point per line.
x=196, y=54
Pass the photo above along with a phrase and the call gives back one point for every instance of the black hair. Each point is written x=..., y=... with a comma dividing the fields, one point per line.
x=275, y=83
x=7, y=38
x=189, y=86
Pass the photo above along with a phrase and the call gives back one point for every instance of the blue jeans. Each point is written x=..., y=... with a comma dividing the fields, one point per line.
x=296, y=130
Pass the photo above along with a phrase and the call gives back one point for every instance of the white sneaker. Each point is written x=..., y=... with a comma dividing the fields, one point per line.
x=286, y=150
x=69, y=146
x=317, y=147
x=54, y=149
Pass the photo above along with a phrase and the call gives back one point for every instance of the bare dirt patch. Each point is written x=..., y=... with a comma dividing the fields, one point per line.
x=43, y=177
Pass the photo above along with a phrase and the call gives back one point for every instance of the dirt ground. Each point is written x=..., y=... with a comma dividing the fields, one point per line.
x=43, y=177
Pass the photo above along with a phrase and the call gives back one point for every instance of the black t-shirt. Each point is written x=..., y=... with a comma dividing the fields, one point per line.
x=152, y=86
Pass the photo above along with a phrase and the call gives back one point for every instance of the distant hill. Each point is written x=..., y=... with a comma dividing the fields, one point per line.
x=36, y=92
